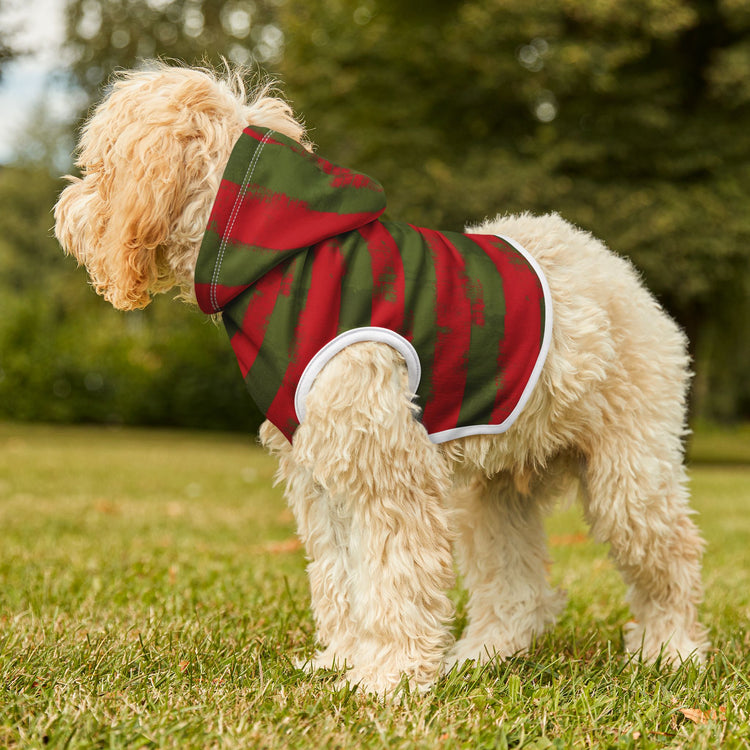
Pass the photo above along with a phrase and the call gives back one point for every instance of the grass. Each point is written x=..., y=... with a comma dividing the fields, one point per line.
x=720, y=445
x=152, y=595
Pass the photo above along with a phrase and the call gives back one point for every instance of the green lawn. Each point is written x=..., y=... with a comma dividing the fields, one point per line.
x=152, y=595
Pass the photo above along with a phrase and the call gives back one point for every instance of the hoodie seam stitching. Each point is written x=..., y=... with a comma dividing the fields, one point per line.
x=233, y=219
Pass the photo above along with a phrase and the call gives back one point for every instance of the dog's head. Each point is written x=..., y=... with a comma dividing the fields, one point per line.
x=151, y=158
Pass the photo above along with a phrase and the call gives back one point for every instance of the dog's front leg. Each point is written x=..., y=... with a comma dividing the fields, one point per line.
x=322, y=526
x=377, y=533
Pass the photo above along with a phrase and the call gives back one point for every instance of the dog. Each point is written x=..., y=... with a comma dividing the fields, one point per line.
x=383, y=502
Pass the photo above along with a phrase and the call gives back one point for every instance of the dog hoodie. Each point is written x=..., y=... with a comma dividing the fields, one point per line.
x=300, y=264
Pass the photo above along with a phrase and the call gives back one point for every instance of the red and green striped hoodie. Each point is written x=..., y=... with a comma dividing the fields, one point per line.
x=300, y=263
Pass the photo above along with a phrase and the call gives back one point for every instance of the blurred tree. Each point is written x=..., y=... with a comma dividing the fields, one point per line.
x=67, y=356
x=630, y=119
x=7, y=49
x=165, y=365
x=103, y=35
x=46, y=139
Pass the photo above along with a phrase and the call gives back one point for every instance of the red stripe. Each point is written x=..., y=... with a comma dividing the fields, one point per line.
x=265, y=136
x=247, y=341
x=318, y=324
x=520, y=346
x=345, y=178
x=277, y=222
x=388, y=282
x=222, y=207
x=453, y=321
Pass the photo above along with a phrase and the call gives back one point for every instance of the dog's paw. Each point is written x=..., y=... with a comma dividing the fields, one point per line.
x=480, y=652
x=668, y=645
x=508, y=633
x=391, y=686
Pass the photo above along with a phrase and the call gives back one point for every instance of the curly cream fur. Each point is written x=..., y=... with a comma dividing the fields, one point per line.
x=378, y=506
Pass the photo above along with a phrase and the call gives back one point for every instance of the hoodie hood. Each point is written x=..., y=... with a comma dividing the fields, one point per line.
x=275, y=200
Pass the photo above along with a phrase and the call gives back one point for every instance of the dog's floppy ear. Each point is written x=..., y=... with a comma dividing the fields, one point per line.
x=140, y=186
x=149, y=157
x=117, y=218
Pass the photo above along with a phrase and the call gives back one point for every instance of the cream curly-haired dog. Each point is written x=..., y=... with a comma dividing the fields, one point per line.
x=380, y=499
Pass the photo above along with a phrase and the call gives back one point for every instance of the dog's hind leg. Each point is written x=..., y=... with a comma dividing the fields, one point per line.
x=502, y=555
x=381, y=558
x=636, y=500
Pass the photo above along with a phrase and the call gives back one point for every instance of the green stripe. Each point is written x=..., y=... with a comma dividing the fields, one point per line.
x=265, y=376
x=277, y=350
x=482, y=280
x=241, y=263
x=230, y=326
x=542, y=315
x=290, y=170
x=204, y=266
x=420, y=299
x=241, y=156
x=356, y=295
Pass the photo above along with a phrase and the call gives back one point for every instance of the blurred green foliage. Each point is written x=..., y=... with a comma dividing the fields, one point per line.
x=108, y=34
x=629, y=119
x=67, y=356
